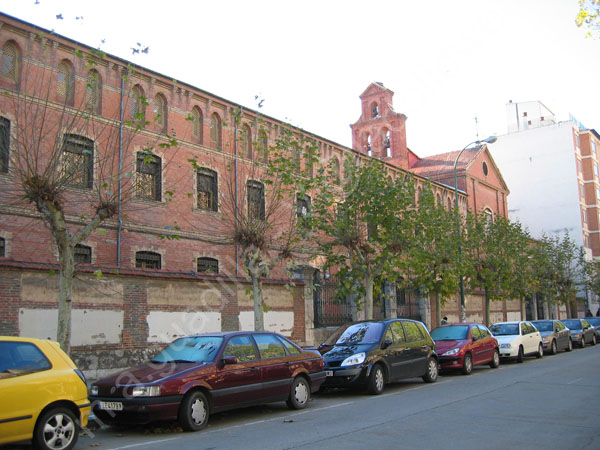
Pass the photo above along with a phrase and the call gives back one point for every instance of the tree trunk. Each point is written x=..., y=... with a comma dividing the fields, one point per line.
x=523, y=312
x=369, y=298
x=438, y=310
x=65, y=298
x=259, y=324
x=487, y=308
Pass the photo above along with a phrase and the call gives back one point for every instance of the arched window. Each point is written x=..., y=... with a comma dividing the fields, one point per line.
x=302, y=205
x=449, y=204
x=4, y=144
x=215, y=131
x=93, y=92
x=65, y=83
x=335, y=170
x=438, y=200
x=147, y=260
x=489, y=216
x=197, y=124
x=10, y=62
x=137, y=106
x=2, y=246
x=207, y=265
x=160, y=112
x=246, y=139
x=263, y=146
x=374, y=110
x=386, y=140
x=367, y=143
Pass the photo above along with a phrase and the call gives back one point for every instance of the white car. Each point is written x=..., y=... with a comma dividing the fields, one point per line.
x=518, y=339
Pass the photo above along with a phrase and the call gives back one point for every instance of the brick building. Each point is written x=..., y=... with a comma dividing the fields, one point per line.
x=153, y=289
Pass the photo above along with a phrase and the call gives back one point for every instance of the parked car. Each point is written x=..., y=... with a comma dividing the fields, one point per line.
x=375, y=352
x=196, y=376
x=518, y=339
x=44, y=396
x=582, y=332
x=464, y=345
x=555, y=335
x=595, y=322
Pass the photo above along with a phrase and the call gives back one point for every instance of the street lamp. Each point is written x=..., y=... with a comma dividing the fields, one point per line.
x=489, y=140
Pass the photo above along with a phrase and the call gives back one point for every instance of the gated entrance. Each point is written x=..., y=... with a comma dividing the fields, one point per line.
x=329, y=310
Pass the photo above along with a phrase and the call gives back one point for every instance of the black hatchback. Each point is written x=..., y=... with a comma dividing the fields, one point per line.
x=375, y=352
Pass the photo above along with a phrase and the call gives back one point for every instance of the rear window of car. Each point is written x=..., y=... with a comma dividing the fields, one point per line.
x=241, y=347
x=412, y=331
x=269, y=346
x=291, y=348
x=21, y=358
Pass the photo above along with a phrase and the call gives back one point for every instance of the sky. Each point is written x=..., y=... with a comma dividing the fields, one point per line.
x=453, y=65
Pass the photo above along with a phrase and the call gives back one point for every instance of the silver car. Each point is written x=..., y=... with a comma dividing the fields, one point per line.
x=582, y=332
x=555, y=335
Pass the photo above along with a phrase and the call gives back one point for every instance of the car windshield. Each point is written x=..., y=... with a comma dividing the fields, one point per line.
x=572, y=324
x=190, y=349
x=505, y=329
x=450, y=333
x=544, y=326
x=361, y=333
x=593, y=320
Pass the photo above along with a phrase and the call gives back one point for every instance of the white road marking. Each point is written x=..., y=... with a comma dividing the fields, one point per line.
x=575, y=381
x=144, y=443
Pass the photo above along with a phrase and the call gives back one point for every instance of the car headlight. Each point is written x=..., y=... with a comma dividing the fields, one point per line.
x=94, y=390
x=547, y=339
x=454, y=351
x=353, y=360
x=145, y=391
x=505, y=345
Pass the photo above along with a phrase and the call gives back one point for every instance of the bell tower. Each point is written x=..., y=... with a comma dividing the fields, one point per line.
x=380, y=131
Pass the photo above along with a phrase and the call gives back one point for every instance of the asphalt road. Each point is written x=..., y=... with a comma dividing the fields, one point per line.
x=550, y=403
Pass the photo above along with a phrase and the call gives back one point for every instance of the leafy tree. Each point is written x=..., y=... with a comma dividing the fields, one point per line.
x=431, y=262
x=363, y=226
x=491, y=250
x=266, y=196
x=64, y=160
x=588, y=16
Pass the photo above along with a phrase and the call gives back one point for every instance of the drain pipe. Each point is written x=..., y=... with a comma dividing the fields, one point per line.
x=119, y=189
x=235, y=177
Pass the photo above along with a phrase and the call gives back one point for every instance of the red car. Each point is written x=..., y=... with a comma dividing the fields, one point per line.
x=464, y=345
x=196, y=376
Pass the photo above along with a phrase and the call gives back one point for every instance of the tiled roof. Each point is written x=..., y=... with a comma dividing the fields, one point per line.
x=444, y=162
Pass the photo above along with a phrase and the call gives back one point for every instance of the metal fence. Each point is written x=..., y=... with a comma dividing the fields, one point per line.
x=329, y=310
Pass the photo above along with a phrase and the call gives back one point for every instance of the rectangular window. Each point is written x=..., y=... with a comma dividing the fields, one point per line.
x=78, y=167
x=208, y=265
x=207, y=190
x=83, y=254
x=4, y=144
x=595, y=169
x=2, y=247
x=256, y=200
x=303, y=205
x=148, y=180
x=594, y=147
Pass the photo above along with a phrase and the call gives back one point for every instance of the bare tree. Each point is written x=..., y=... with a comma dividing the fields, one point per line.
x=69, y=156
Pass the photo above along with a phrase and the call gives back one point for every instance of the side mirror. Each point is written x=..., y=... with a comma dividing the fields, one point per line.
x=385, y=344
x=474, y=338
x=229, y=360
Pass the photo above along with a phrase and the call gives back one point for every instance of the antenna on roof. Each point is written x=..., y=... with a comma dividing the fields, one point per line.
x=476, y=128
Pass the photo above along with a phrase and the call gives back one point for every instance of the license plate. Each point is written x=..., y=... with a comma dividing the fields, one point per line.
x=329, y=373
x=111, y=406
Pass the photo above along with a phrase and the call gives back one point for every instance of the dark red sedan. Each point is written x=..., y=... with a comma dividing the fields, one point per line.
x=196, y=376
x=464, y=345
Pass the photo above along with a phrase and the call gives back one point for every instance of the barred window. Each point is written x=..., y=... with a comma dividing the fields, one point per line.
x=148, y=183
x=78, y=157
x=197, y=124
x=303, y=205
x=246, y=142
x=2, y=247
x=335, y=170
x=4, y=144
x=160, y=112
x=147, y=260
x=207, y=189
x=137, y=106
x=208, y=265
x=256, y=200
x=65, y=83
x=215, y=131
x=263, y=146
x=93, y=92
x=82, y=254
x=10, y=62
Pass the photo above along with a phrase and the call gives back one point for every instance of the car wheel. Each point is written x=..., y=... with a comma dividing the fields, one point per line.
x=56, y=429
x=495, y=362
x=553, y=348
x=299, y=394
x=193, y=411
x=569, y=345
x=540, y=351
x=467, y=367
x=432, y=371
x=520, y=355
x=376, y=381
x=582, y=342
x=594, y=339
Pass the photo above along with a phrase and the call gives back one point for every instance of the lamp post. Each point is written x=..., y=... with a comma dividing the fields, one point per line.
x=489, y=140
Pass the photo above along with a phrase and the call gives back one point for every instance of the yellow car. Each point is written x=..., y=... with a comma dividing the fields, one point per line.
x=43, y=396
